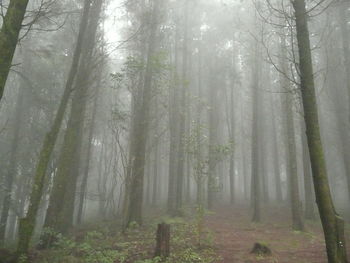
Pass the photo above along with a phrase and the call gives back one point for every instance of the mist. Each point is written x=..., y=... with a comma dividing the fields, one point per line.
x=211, y=131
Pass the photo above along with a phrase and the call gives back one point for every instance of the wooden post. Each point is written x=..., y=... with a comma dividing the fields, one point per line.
x=163, y=241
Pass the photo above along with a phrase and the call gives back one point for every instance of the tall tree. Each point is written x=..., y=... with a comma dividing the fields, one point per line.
x=255, y=176
x=213, y=136
x=292, y=170
x=9, y=34
x=61, y=207
x=343, y=7
x=27, y=224
x=139, y=136
x=333, y=224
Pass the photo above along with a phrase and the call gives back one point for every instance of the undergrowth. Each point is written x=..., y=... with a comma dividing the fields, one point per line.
x=190, y=243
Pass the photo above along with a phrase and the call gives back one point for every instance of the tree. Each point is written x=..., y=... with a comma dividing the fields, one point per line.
x=27, y=224
x=61, y=207
x=255, y=178
x=135, y=189
x=333, y=224
x=9, y=34
x=292, y=171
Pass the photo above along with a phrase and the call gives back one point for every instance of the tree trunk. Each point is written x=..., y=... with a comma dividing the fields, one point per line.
x=276, y=165
x=291, y=162
x=255, y=178
x=333, y=224
x=173, y=128
x=292, y=170
x=346, y=53
x=309, y=193
x=163, y=241
x=62, y=199
x=182, y=118
x=213, y=136
x=135, y=192
x=9, y=34
x=27, y=224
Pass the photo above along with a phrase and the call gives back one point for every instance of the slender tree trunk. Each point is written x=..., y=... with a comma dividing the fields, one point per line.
x=333, y=224
x=9, y=34
x=198, y=153
x=155, y=169
x=308, y=188
x=213, y=137
x=292, y=170
x=346, y=53
x=173, y=127
x=256, y=178
x=231, y=129
x=156, y=162
x=182, y=118
x=277, y=170
x=27, y=224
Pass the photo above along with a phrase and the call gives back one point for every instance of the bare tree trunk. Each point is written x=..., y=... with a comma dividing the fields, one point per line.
x=333, y=224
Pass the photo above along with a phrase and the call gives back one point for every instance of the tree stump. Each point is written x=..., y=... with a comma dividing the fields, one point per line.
x=163, y=241
x=261, y=250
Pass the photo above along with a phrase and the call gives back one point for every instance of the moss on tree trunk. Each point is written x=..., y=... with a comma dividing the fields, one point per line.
x=333, y=225
x=27, y=224
x=9, y=34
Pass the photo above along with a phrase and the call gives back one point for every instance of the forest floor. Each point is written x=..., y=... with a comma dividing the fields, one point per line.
x=235, y=237
x=225, y=235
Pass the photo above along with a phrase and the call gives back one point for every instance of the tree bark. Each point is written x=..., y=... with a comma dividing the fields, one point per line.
x=255, y=177
x=62, y=199
x=27, y=224
x=163, y=241
x=309, y=193
x=292, y=170
x=9, y=34
x=135, y=192
x=333, y=224
x=346, y=53
x=182, y=118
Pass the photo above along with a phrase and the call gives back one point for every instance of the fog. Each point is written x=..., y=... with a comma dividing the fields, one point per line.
x=174, y=131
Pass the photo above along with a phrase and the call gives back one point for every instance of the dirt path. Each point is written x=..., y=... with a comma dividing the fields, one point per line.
x=235, y=237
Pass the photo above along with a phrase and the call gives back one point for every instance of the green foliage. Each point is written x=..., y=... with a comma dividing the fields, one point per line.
x=153, y=260
x=191, y=255
x=190, y=242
